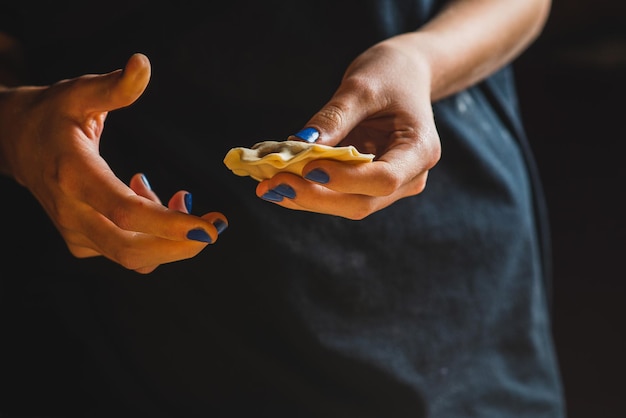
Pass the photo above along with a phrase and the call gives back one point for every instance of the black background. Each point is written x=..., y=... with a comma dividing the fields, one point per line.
x=572, y=84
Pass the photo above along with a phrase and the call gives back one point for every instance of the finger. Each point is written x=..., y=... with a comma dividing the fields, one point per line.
x=377, y=178
x=319, y=199
x=181, y=201
x=116, y=89
x=79, y=251
x=84, y=252
x=146, y=270
x=337, y=118
x=132, y=250
x=134, y=79
x=139, y=184
x=128, y=210
x=144, y=251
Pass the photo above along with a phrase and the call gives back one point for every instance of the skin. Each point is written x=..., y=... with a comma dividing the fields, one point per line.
x=57, y=130
x=382, y=106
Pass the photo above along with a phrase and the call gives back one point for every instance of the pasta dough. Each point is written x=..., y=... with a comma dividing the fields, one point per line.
x=264, y=159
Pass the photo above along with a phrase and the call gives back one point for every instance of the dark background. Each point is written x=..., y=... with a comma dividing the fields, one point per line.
x=572, y=85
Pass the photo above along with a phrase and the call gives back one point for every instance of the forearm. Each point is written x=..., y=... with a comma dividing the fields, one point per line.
x=471, y=39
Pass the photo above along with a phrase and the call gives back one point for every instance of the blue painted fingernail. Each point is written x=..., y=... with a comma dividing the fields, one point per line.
x=145, y=181
x=188, y=201
x=199, y=234
x=272, y=196
x=285, y=190
x=220, y=225
x=317, y=176
x=308, y=134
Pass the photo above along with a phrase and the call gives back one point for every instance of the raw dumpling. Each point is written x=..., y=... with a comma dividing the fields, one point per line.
x=264, y=159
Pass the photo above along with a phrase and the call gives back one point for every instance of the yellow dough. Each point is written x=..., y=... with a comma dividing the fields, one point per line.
x=264, y=159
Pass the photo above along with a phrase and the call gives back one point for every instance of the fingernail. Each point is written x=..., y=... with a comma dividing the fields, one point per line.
x=199, y=234
x=272, y=196
x=220, y=225
x=308, y=134
x=317, y=176
x=285, y=190
x=188, y=202
x=145, y=181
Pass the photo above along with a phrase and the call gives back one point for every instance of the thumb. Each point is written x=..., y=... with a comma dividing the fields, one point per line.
x=333, y=122
x=119, y=88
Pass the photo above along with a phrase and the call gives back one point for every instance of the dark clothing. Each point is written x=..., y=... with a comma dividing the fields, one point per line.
x=437, y=306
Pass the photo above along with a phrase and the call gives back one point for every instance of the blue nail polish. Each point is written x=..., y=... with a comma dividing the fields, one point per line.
x=199, y=234
x=188, y=201
x=317, y=176
x=145, y=182
x=308, y=134
x=285, y=190
x=272, y=196
x=220, y=225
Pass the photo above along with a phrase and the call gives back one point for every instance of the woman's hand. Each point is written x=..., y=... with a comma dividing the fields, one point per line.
x=49, y=143
x=382, y=107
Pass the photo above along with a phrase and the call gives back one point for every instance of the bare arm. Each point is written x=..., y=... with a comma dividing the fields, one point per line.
x=471, y=39
x=384, y=105
x=49, y=143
